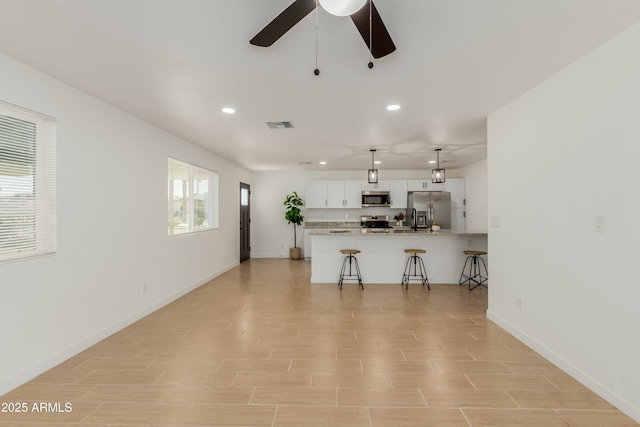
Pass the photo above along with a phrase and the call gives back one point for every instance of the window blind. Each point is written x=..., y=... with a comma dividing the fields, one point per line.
x=27, y=183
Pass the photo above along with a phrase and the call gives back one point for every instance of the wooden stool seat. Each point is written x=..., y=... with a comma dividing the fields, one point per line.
x=475, y=253
x=415, y=251
x=349, y=251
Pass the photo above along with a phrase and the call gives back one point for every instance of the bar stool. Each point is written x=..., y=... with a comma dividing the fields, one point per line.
x=418, y=264
x=474, y=273
x=350, y=257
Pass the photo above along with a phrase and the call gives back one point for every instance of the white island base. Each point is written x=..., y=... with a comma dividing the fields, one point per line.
x=382, y=258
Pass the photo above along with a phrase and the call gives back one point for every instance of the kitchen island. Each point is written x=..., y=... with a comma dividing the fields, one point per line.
x=383, y=259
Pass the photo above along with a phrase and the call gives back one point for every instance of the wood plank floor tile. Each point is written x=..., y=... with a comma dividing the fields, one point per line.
x=369, y=396
x=262, y=346
x=299, y=396
x=318, y=416
x=468, y=399
x=514, y=418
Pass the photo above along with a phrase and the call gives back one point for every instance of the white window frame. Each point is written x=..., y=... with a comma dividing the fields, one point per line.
x=29, y=181
x=183, y=202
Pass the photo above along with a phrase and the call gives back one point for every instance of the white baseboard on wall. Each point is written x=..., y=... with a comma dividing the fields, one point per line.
x=580, y=376
x=53, y=360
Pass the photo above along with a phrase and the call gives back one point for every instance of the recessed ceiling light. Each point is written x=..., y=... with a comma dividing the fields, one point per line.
x=377, y=162
x=393, y=107
x=323, y=163
x=228, y=110
x=432, y=161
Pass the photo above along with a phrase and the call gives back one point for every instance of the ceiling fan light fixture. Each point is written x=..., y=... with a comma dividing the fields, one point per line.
x=342, y=7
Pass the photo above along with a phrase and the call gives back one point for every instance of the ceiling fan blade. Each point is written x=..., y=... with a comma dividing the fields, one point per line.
x=381, y=42
x=283, y=22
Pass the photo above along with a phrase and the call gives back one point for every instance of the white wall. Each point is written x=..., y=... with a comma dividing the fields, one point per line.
x=271, y=236
x=567, y=150
x=112, y=230
x=475, y=178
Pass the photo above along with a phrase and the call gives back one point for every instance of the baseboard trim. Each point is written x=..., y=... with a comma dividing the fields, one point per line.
x=53, y=360
x=566, y=366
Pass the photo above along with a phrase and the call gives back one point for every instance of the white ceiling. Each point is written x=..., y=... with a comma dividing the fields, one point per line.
x=176, y=63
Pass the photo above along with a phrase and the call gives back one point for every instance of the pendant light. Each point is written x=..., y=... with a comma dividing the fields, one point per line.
x=437, y=175
x=372, y=173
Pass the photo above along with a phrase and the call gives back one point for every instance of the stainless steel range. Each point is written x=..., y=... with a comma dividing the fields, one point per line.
x=375, y=223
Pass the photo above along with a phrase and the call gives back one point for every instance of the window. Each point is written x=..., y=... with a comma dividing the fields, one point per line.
x=27, y=183
x=193, y=198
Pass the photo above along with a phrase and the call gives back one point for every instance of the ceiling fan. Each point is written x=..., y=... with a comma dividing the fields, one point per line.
x=375, y=36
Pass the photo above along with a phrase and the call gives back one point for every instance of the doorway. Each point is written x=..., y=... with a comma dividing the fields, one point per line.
x=245, y=221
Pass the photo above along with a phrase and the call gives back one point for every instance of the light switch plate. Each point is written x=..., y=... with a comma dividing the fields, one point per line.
x=600, y=223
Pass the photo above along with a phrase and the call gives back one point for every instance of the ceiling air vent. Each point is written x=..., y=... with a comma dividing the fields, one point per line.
x=280, y=125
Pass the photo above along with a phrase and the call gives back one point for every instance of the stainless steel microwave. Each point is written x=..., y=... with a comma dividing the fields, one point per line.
x=376, y=198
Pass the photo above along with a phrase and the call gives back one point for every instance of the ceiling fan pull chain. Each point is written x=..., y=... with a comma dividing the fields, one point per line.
x=317, y=70
x=370, y=34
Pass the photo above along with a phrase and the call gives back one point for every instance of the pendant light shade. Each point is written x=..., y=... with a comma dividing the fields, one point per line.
x=437, y=175
x=372, y=173
x=342, y=7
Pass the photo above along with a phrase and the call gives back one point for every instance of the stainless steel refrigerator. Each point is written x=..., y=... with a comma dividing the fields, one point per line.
x=426, y=207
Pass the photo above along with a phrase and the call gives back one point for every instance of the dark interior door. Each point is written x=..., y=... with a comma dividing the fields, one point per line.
x=245, y=221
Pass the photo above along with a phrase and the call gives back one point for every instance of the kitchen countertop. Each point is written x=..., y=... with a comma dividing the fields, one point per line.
x=328, y=224
x=398, y=231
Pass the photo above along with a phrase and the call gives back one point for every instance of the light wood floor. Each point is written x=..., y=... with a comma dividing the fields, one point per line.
x=261, y=346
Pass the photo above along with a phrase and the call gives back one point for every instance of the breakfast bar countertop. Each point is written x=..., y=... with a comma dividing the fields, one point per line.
x=403, y=231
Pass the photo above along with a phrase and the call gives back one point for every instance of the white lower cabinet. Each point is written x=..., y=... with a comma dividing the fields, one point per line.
x=307, y=245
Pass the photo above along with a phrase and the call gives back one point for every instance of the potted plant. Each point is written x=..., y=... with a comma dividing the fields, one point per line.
x=294, y=216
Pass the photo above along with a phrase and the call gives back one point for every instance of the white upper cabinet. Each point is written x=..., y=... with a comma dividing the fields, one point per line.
x=383, y=185
x=344, y=194
x=353, y=194
x=456, y=187
x=423, y=185
x=398, y=194
x=316, y=194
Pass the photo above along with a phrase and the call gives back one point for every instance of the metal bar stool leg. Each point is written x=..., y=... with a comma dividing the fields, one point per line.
x=475, y=264
x=415, y=263
x=463, y=277
x=423, y=271
x=353, y=265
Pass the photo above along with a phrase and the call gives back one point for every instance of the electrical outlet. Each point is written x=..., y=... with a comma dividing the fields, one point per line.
x=495, y=221
x=519, y=303
x=145, y=288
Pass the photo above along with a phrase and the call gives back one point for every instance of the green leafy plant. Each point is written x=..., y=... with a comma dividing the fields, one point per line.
x=293, y=215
